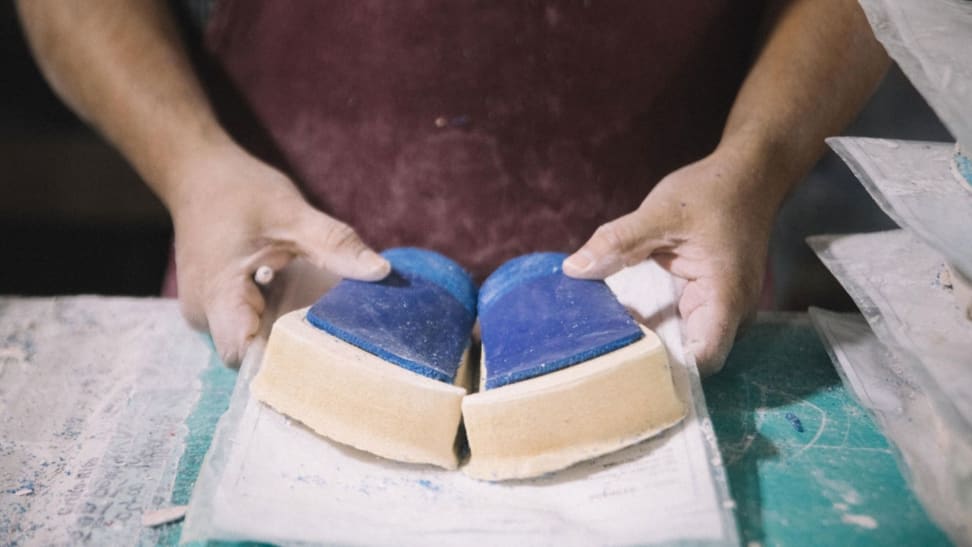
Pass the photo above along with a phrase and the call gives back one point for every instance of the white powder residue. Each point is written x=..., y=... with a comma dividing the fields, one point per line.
x=864, y=521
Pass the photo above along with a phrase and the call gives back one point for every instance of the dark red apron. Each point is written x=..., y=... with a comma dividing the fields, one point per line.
x=481, y=129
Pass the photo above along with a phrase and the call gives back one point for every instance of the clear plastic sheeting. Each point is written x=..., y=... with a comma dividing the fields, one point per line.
x=914, y=184
x=901, y=288
x=891, y=387
x=931, y=41
x=267, y=478
x=94, y=395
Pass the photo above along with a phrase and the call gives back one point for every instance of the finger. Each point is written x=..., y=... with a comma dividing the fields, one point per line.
x=334, y=246
x=190, y=301
x=710, y=328
x=233, y=315
x=619, y=243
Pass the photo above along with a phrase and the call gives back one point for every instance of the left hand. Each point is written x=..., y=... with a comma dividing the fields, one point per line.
x=233, y=213
x=707, y=223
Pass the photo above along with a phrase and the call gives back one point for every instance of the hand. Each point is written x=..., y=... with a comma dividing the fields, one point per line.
x=232, y=214
x=707, y=223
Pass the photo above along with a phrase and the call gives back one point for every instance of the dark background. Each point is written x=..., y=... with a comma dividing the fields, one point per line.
x=74, y=218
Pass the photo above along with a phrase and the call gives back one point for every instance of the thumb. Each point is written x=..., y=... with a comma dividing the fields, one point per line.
x=622, y=242
x=334, y=246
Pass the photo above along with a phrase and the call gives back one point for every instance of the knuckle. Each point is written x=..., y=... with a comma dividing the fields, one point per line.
x=611, y=235
x=342, y=236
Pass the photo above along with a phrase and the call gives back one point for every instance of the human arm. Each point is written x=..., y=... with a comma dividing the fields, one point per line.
x=709, y=222
x=121, y=66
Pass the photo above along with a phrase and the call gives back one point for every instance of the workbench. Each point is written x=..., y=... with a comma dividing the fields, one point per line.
x=806, y=464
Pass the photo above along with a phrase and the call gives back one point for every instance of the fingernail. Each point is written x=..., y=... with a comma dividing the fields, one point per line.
x=579, y=262
x=375, y=264
x=226, y=356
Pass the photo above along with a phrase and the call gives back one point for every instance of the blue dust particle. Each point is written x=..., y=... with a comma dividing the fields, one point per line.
x=429, y=485
x=794, y=421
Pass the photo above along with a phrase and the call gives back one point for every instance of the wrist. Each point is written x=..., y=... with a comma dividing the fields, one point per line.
x=177, y=167
x=765, y=166
x=747, y=182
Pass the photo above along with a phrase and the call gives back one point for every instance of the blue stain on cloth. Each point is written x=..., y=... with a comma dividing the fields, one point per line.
x=963, y=164
x=419, y=317
x=536, y=320
x=794, y=421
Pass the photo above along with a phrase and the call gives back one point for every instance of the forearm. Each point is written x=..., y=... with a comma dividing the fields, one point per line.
x=818, y=66
x=121, y=66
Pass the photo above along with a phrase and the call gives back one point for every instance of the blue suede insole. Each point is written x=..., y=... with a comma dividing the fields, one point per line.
x=535, y=320
x=419, y=317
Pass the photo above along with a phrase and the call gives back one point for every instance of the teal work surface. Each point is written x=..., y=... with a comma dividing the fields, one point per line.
x=836, y=482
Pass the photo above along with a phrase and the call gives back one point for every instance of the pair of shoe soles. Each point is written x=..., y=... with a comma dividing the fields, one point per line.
x=565, y=374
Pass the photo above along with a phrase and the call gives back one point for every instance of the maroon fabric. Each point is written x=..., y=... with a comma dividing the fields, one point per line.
x=560, y=115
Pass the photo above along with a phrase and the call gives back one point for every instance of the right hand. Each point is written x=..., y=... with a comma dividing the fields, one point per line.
x=234, y=213
x=708, y=224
